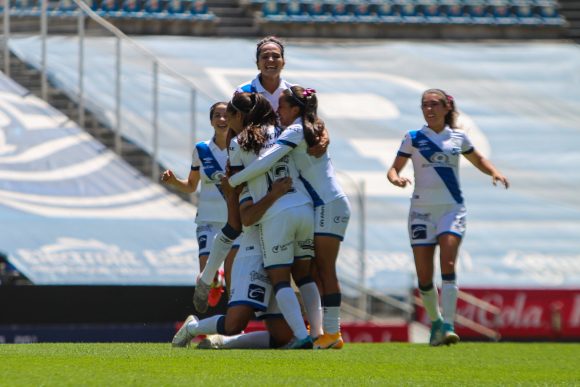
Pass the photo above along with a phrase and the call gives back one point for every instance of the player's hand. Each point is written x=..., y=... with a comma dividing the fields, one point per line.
x=228, y=190
x=320, y=149
x=281, y=186
x=501, y=178
x=401, y=181
x=168, y=177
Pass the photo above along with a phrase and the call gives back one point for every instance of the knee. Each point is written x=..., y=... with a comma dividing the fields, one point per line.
x=235, y=327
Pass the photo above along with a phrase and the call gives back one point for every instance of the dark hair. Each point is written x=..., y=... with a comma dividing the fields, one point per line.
x=214, y=106
x=266, y=40
x=446, y=100
x=257, y=114
x=306, y=100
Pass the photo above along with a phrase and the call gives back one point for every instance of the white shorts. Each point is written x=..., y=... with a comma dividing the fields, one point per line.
x=251, y=286
x=206, y=233
x=332, y=218
x=288, y=236
x=427, y=222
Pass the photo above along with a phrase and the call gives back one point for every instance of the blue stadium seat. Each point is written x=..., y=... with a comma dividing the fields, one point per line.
x=25, y=8
x=389, y=13
x=154, y=9
x=412, y=13
x=132, y=8
x=316, y=11
x=503, y=14
x=456, y=13
x=524, y=11
x=342, y=12
x=109, y=8
x=366, y=12
x=550, y=16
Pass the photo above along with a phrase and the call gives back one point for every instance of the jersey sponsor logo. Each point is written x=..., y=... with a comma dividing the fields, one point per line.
x=419, y=216
x=279, y=248
x=256, y=292
x=249, y=248
x=322, y=217
x=455, y=151
x=257, y=276
x=306, y=245
x=202, y=241
x=418, y=231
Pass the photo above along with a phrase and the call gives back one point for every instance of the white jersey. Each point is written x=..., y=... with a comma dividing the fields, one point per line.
x=250, y=238
x=435, y=159
x=255, y=86
x=210, y=161
x=260, y=185
x=317, y=173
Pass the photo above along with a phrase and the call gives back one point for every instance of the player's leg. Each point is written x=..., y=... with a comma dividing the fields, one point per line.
x=450, y=233
x=221, y=246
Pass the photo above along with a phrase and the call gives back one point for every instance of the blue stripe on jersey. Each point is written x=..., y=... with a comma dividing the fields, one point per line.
x=468, y=151
x=427, y=149
x=403, y=154
x=317, y=201
x=249, y=88
x=211, y=167
x=195, y=168
x=327, y=234
x=245, y=200
x=287, y=143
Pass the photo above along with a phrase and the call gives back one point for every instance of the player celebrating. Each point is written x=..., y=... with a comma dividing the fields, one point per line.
x=208, y=166
x=437, y=215
x=297, y=111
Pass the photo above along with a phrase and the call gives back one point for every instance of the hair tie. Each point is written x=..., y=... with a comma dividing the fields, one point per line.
x=449, y=98
x=308, y=92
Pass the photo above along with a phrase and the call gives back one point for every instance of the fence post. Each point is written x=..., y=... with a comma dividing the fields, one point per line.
x=43, y=33
x=118, y=124
x=362, y=247
x=81, y=103
x=6, y=29
x=155, y=165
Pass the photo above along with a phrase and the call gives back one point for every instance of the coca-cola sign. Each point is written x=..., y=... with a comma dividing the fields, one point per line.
x=534, y=314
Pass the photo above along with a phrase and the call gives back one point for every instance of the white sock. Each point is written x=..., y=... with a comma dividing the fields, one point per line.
x=217, y=255
x=251, y=340
x=431, y=303
x=449, y=292
x=313, y=307
x=331, y=319
x=207, y=326
x=290, y=308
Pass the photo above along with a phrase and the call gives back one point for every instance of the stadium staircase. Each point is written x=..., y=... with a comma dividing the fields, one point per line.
x=30, y=79
x=570, y=9
x=234, y=20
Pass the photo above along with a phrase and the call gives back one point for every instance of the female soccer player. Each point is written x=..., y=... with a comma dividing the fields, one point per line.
x=208, y=166
x=437, y=215
x=297, y=112
x=286, y=229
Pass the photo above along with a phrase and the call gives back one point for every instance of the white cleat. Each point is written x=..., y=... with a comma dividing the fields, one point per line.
x=183, y=338
x=211, y=342
x=200, y=296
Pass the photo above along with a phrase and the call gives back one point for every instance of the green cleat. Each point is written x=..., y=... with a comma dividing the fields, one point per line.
x=436, y=337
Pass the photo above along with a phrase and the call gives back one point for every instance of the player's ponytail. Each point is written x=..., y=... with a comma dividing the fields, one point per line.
x=307, y=101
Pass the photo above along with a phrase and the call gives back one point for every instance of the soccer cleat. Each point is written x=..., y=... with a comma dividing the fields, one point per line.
x=436, y=336
x=183, y=338
x=200, y=296
x=211, y=342
x=296, y=343
x=329, y=340
x=449, y=335
x=216, y=290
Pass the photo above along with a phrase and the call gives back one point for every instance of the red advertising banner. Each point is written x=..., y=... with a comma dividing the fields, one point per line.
x=363, y=332
x=526, y=314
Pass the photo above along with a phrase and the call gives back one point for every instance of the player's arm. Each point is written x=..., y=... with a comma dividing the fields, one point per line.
x=261, y=164
x=251, y=212
x=182, y=185
x=393, y=172
x=485, y=166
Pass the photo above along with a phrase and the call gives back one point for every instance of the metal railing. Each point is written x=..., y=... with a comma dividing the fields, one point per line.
x=83, y=12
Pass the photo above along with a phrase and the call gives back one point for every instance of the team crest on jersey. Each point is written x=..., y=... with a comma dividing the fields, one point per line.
x=439, y=158
x=418, y=231
x=256, y=292
x=217, y=176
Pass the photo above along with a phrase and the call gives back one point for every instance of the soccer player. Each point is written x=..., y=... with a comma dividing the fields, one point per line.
x=270, y=61
x=297, y=111
x=437, y=214
x=208, y=166
x=286, y=229
x=251, y=291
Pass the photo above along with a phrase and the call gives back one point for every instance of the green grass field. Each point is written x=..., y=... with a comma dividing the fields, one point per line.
x=466, y=364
